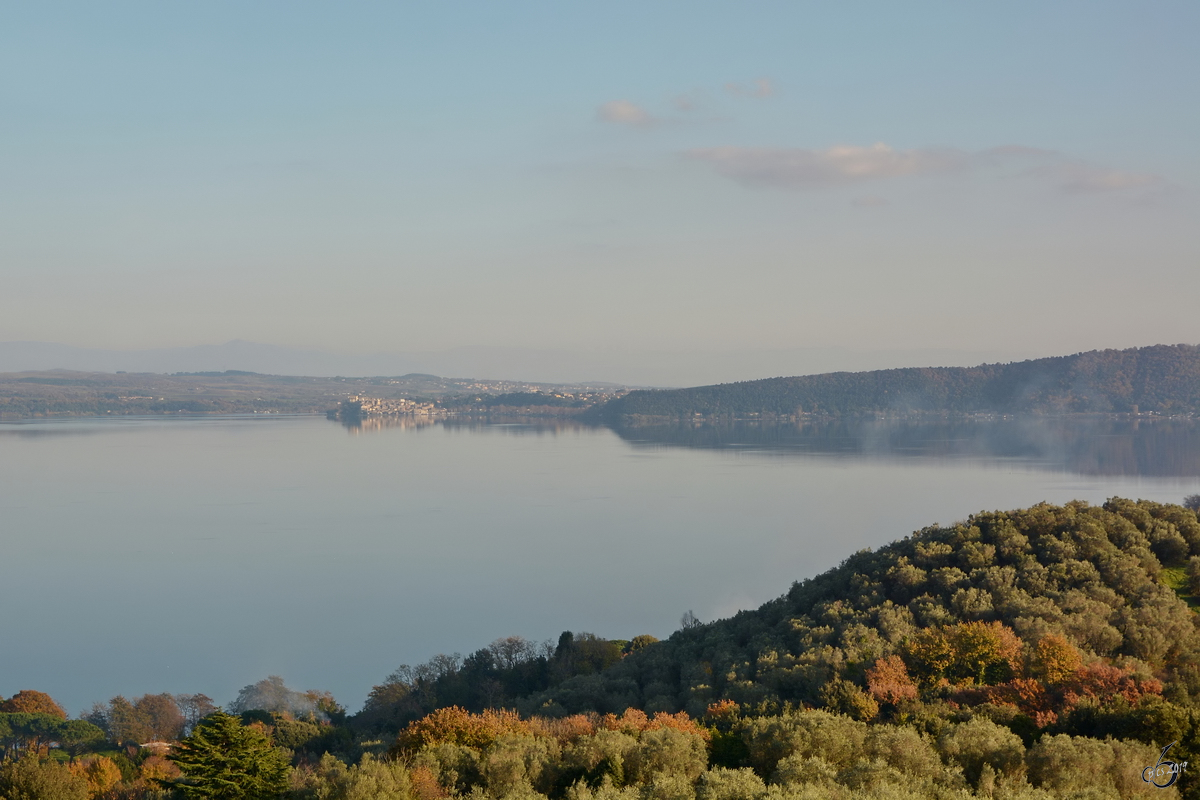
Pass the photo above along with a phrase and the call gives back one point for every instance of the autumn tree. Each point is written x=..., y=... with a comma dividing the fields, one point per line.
x=157, y=770
x=101, y=774
x=1055, y=660
x=224, y=760
x=458, y=726
x=969, y=652
x=889, y=682
x=29, y=701
x=163, y=718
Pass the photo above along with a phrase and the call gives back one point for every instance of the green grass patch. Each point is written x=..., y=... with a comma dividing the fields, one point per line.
x=1176, y=578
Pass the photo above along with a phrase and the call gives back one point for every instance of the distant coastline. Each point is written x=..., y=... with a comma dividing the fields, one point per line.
x=1162, y=381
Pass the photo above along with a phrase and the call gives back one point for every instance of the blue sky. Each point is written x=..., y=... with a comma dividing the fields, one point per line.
x=608, y=178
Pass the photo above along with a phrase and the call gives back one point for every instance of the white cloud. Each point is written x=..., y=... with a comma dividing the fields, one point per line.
x=799, y=168
x=1079, y=178
x=623, y=112
x=761, y=87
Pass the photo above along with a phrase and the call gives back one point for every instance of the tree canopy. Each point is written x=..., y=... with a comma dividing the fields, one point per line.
x=224, y=760
x=28, y=701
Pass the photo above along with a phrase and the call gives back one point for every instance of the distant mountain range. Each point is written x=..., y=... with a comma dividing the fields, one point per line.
x=1164, y=379
x=631, y=368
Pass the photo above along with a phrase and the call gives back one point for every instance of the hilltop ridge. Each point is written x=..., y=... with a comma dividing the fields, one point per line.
x=1160, y=379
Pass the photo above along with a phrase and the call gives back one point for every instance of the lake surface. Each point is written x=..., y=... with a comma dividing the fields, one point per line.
x=203, y=554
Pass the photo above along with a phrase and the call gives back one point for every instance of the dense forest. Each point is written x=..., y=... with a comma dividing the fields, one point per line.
x=1161, y=379
x=1048, y=652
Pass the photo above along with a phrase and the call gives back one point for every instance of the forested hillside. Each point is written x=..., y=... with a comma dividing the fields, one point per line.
x=1035, y=654
x=1163, y=379
x=1013, y=640
x=1094, y=581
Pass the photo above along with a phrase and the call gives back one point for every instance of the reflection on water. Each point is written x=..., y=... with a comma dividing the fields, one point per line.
x=357, y=425
x=515, y=425
x=1083, y=445
x=60, y=427
x=1087, y=446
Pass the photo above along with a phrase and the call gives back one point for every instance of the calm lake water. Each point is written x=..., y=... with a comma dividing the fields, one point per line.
x=203, y=554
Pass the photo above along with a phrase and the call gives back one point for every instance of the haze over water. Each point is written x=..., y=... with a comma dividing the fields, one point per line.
x=202, y=554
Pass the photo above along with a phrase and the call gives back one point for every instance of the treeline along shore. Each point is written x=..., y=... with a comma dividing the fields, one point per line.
x=60, y=393
x=1040, y=653
x=1162, y=380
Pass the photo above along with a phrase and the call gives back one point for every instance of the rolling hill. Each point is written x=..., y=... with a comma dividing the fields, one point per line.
x=1162, y=379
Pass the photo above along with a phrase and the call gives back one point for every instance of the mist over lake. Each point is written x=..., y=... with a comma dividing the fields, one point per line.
x=202, y=554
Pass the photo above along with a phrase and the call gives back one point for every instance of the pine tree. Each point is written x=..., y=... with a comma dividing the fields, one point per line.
x=225, y=760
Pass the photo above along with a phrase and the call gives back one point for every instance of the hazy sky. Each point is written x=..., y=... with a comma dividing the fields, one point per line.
x=600, y=176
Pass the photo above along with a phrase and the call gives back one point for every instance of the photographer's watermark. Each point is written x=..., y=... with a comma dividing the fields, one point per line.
x=1164, y=773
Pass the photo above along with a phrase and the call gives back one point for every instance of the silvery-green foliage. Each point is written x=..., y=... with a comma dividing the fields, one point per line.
x=601, y=757
x=720, y=783
x=374, y=779
x=802, y=770
x=981, y=741
x=666, y=752
x=836, y=738
x=669, y=786
x=515, y=763
x=1075, y=765
x=905, y=749
x=605, y=791
x=455, y=766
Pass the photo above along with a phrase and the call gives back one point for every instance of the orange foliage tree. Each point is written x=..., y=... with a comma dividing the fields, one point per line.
x=565, y=729
x=635, y=721
x=29, y=701
x=455, y=725
x=101, y=774
x=156, y=769
x=889, y=682
x=1044, y=703
x=1055, y=660
x=966, y=653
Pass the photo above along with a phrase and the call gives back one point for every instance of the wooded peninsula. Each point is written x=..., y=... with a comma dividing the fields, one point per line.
x=1046, y=652
x=1161, y=380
